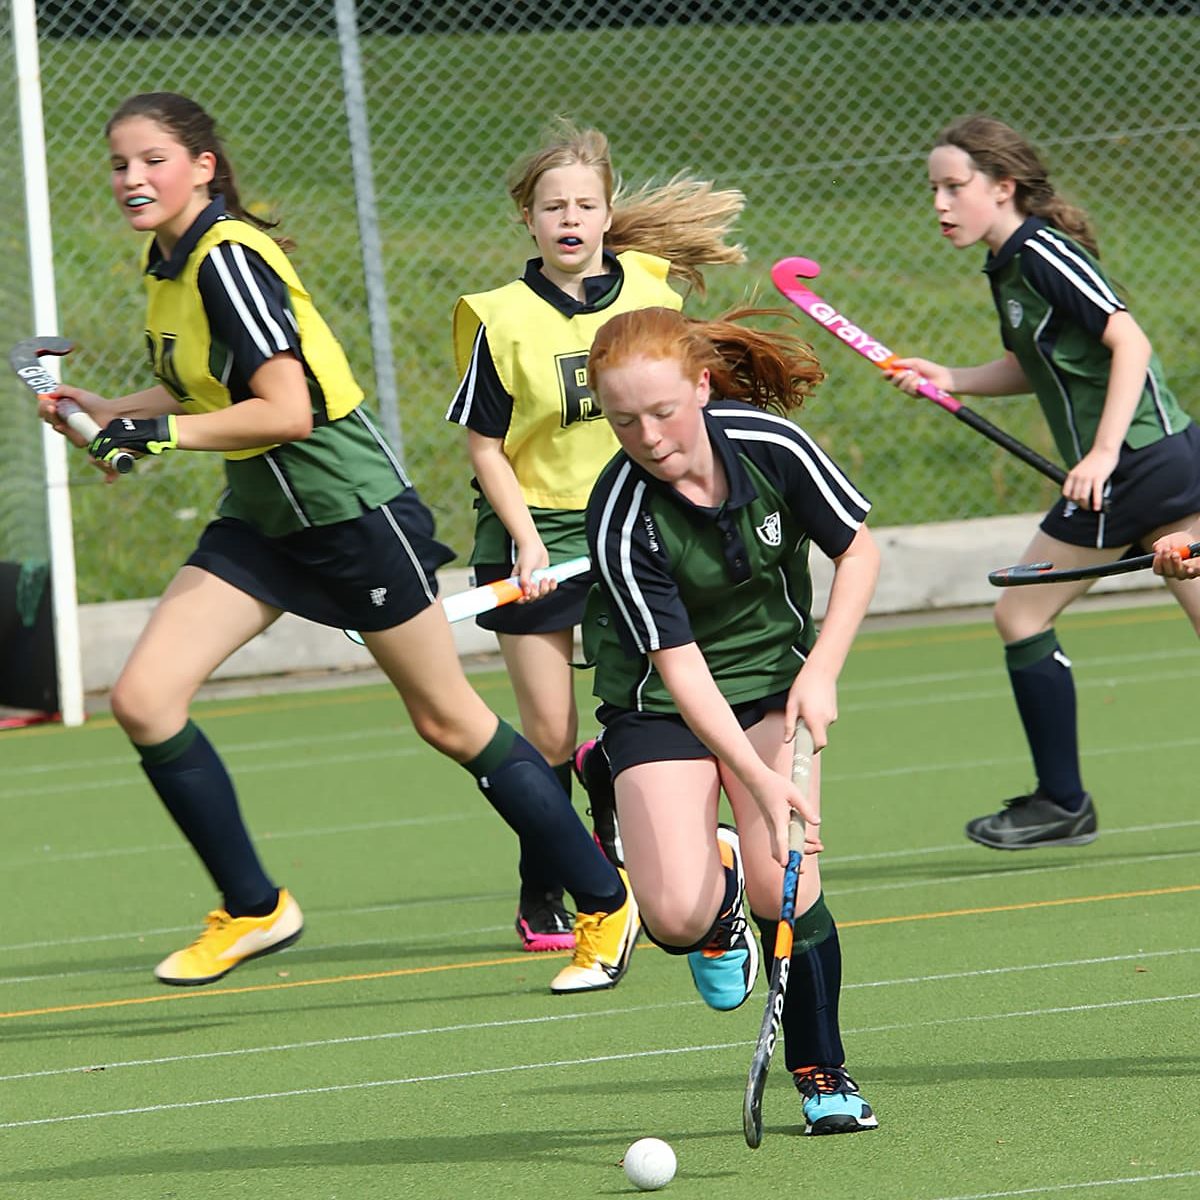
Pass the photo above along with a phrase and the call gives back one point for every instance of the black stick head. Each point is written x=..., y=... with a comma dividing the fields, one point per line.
x=27, y=351
x=1021, y=573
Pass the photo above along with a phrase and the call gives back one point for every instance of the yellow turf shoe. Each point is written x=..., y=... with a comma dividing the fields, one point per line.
x=604, y=943
x=227, y=941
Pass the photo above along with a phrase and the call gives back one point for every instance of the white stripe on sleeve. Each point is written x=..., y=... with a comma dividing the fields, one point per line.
x=1075, y=268
x=257, y=334
x=273, y=328
x=793, y=439
x=625, y=569
x=466, y=390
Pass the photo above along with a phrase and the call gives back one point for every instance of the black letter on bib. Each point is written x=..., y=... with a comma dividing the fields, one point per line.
x=162, y=361
x=577, y=401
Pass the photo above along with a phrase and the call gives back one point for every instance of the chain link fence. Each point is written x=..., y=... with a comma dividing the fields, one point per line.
x=822, y=112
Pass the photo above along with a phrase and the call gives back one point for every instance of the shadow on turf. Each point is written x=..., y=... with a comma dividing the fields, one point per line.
x=351, y=958
x=1183, y=1066
x=596, y=1149
x=981, y=863
x=137, y=1025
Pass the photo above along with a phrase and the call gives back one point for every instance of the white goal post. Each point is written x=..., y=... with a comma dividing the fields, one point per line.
x=44, y=307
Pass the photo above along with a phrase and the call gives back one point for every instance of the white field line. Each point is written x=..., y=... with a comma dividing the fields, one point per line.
x=991, y=875
x=404, y=905
x=1085, y=667
x=116, y=780
x=833, y=777
x=390, y=1035
x=958, y=847
x=556, y=1064
x=1050, y=1188
x=230, y=747
x=973, y=765
x=73, y=856
x=321, y=1043
x=1082, y=683
x=110, y=774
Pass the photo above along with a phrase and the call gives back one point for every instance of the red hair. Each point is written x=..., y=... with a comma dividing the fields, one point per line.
x=775, y=371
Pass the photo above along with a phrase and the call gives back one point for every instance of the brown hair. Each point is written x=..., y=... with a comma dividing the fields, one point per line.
x=196, y=132
x=771, y=370
x=1001, y=153
x=684, y=220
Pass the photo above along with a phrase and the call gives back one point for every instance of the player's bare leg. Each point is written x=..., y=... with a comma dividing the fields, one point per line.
x=199, y=621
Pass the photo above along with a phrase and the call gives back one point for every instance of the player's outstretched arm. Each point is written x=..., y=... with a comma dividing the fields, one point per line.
x=813, y=696
x=1001, y=377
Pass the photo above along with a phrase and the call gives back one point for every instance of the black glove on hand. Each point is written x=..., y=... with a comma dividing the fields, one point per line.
x=149, y=435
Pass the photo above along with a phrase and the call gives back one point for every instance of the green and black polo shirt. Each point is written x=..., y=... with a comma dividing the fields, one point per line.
x=734, y=580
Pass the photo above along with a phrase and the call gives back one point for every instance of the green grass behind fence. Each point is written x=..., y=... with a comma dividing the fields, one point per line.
x=848, y=189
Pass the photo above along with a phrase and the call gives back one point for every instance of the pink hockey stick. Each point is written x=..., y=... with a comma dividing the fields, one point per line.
x=788, y=274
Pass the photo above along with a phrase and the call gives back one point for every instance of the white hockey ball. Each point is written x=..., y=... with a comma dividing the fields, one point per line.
x=650, y=1164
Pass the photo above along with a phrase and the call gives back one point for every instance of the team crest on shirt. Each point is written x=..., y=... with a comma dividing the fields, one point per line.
x=1015, y=313
x=769, y=532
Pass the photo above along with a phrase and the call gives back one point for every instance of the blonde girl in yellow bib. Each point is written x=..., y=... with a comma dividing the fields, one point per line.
x=537, y=441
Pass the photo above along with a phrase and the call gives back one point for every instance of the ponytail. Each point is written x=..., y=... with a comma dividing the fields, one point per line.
x=774, y=371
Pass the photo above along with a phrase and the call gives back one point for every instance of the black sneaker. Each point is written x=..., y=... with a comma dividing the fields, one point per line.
x=544, y=923
x=591, y=769
x=1030, y=822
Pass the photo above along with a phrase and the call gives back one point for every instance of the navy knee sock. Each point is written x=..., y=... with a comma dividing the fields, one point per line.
x=535, y=883
x=811, y=1033
x=192, y=782
x=1044, y=689
x=521, y=787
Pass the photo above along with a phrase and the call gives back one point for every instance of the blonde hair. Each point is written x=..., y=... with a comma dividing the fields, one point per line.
x=772, y=370
x=685, y=220
x=1000, y=152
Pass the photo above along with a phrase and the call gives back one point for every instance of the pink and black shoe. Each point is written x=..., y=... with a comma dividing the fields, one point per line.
x=592, y=770
x=544, y=922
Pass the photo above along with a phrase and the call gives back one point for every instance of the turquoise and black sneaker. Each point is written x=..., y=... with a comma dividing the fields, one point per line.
x=725, y=970
x=832, y=1103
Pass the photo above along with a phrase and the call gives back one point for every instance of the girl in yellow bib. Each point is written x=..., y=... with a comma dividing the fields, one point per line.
x=318, y=519
x=537, y=440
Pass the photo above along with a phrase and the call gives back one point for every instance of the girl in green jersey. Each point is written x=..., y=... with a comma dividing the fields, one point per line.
x=1132, y=453
x=318, y=519
x=707, y=656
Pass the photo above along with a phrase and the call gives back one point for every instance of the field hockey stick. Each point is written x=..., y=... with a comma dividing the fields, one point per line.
x=24, y=359
x=786, y=275
x=781, y=958
x=1044, y=572
x=483, y=599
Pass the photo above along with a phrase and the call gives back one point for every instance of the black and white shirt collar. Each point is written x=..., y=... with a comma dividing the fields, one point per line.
x=168, y=267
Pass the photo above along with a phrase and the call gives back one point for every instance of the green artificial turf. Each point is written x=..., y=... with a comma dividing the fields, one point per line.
x=1024, y=1024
